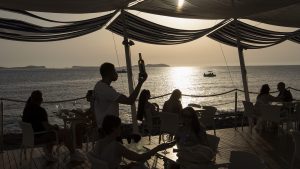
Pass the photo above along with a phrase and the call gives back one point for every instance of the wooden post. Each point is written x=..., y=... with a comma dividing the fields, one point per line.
x=129, y=72
x=235, y=109
x=1, y=125
x=242, y=63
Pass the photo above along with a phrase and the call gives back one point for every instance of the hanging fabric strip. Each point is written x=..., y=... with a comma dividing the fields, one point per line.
x=145, y=31
x=23, y=31
x=251, y=37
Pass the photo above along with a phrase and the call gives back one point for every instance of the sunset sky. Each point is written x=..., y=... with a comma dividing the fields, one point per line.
x=98, y=47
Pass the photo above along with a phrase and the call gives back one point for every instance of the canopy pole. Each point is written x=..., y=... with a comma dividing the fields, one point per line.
x=242, y=63
x=127, y=45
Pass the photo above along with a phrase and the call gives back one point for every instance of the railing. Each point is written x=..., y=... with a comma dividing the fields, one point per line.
x=164, y=95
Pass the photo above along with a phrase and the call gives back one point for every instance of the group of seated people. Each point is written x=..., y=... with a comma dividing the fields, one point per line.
x=264, y=97
x=108, y=148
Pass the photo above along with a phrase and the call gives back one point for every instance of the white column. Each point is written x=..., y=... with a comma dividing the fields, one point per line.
x=242, y=64
x=129, y=72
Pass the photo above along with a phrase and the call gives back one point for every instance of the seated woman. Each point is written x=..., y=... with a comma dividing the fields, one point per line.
x=173, y=105
x=193, y=147
x=37, y=116
x=111, y=151
x=144, y=105
x=191, y=132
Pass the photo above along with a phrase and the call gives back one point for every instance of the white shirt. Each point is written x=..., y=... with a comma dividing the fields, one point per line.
x=105, y=101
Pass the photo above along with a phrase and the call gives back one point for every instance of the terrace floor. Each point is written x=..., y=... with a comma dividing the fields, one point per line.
x=276, y=151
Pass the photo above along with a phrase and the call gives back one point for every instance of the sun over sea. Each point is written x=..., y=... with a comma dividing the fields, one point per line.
x=63, y=84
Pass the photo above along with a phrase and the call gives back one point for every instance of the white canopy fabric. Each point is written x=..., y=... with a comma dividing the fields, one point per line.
x=277, y=12
x=65, y=6
x=225, y=9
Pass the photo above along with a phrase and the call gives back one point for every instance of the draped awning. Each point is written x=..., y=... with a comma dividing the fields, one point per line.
x=23, y=31
x=251, y=37
x=225, y=9
x=145, y=31
x=65, y=6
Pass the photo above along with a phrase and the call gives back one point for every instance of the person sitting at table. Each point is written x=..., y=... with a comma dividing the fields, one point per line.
x=263, y=97
x=144, y=105
x=173, y=105
x=284, y=94
x=108, y=149
x=191, y=138
x=37, y=116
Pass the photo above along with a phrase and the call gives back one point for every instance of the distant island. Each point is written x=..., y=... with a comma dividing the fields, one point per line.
x=25, y=67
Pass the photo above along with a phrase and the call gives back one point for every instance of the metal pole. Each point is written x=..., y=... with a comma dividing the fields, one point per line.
x=1, y=130
x=235, y=109
x=242, y=63
x=129, y=72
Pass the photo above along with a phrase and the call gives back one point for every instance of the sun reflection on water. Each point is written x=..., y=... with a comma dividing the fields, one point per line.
x=182, y=79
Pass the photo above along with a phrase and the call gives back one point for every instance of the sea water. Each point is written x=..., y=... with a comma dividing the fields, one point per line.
x=64, y=84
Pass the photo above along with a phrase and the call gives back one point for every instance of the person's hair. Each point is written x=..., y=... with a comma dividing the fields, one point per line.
x=35, y=97
x=90, y=95
x=143, y=98
x=176, y=94
x=110, y=123
x=106, y=68
x=265, y=89
x=281, y=84
x=197, y=128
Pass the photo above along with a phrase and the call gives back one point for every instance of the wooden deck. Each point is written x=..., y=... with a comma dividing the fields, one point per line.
x=276, y=151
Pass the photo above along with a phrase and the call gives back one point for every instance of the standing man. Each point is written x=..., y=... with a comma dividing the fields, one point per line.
x=107, y=99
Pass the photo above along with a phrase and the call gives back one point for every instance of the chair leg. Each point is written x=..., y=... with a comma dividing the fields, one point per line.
x=30, y=160
x=21, y=152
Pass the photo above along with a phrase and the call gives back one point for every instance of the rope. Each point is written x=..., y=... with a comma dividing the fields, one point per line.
x=117, y=55
x=227, y=66
x=58, y=101
x=211, y=95
x=293, y=89
x=155, y=97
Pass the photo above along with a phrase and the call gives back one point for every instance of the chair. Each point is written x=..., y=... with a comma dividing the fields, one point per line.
x=169, y=123
x=296, y=155
x=28, y=140
x=244, y=160
x=151, y=124
x=213, y=142
x=271, y=113
x=208, y=117
x=250, y=113
x=95, y=162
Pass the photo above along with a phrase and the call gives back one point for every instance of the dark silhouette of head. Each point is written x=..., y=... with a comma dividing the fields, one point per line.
x=265, y=89
x=110, y=124
x=280, y=86
x=176, y=95
x=35, y=98
x=143, y=99
x=108, y=71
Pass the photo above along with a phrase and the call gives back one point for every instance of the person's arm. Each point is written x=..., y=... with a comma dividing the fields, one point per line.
x=131, y=155
x=131, y=99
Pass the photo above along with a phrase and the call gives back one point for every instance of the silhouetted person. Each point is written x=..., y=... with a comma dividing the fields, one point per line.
x=107, y=99
x=173, y=105
x=284, y=94
x=144, y=105
x=264, y=96
x=111, y=151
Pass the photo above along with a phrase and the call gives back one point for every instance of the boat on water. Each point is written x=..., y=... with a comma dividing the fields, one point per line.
x=209, y=74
